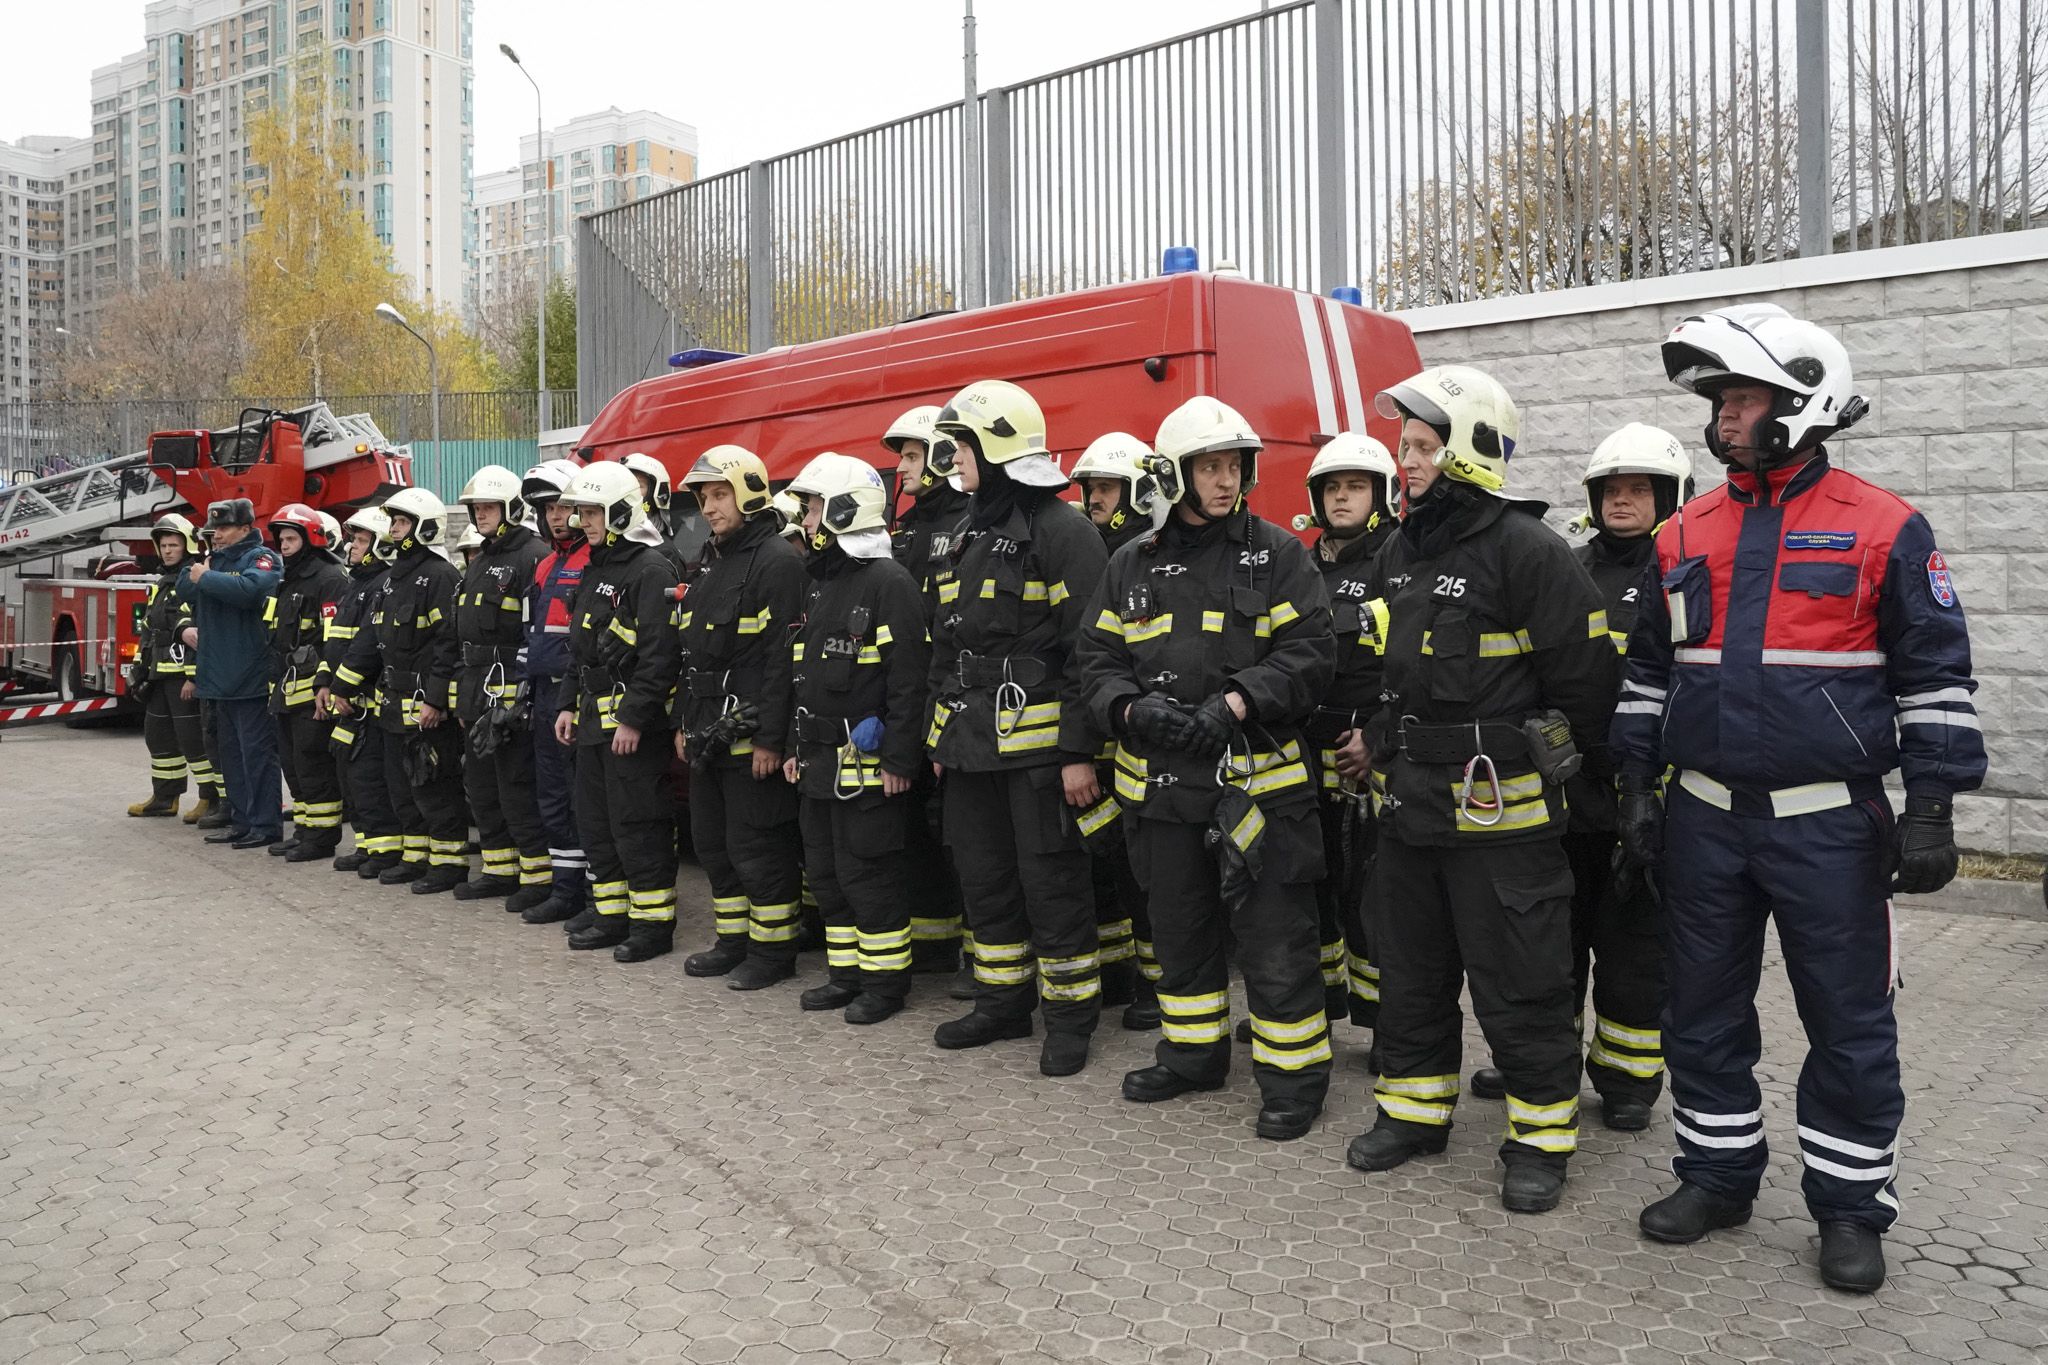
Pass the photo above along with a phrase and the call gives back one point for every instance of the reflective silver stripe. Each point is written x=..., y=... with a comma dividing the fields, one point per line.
x=1697, y=656
x=1826, y=658
x=1809, y=799
x=1814, y=1163
x=1707, y=789
x=1907, y=703
x=1961, y=720
x=1718, y=1120
x=1700, y=1139
x=1845, y=1147
x=1639, y=708
x=1643, y=689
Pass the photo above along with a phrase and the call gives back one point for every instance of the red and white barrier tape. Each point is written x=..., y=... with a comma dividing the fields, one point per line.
x=53, y=709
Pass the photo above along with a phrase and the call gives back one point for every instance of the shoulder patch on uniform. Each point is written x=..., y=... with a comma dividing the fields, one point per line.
x=1820, y=540
x=327, y=610
x=265, y=561
x=1938, y=580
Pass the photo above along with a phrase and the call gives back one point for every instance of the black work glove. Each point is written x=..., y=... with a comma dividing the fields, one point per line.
x=1927, y=847
x=1640, y=813
x=1158, y=723
x=1210, y=728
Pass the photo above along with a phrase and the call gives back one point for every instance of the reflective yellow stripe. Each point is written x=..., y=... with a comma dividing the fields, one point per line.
x=1109, y=624
x=1196, y=1004
x=1372, y=626
x=1498, y=645
x=1521, y=1111
x=758, y=622
x=1282, y=615
x=1135, y=631
x=1419, y=1087
x=1212, y=622
x=949, y=592
x=1300, y=1031
x=1618, y=1061
x=1034, y=591
x=1099, y=816
x=1596, y=624
x=884, y=636
x=1414, y=1111
x=625, y=632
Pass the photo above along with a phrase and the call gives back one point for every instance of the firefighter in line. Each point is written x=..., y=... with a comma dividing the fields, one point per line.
x=399, y=654
x=1353, y=500
x=1010, y=736
x=467, y=545
x=357, y=739
x=313, y=584
x=1800, y=637
x=1498, y=679
x=1124, y=500
x=557, y=578
x=483, y=667
x=923, y=534
x=859, y=676
x=163, y=676
x=1206, y=650
x=732, y=710
x=613, y=707
x=232, y=591
x=1637, y=478
x=658, y=494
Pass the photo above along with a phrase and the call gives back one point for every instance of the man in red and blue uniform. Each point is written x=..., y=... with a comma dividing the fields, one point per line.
x=1801, y=637
x=548, y=660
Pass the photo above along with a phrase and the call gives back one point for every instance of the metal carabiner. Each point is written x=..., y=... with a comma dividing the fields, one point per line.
x=848, y=756
x=1010, y=699
x=1227, y=770
x=1468, y=799
x=497, y=670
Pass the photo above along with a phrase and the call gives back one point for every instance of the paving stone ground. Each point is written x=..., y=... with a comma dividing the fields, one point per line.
x=259, y=1113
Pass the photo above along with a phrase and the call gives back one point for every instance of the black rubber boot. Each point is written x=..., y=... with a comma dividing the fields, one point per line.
x=1286, y=1120
x=350, y=861
x=527, y=897
x=1062, y=1054
x=1243, y=1032
x=446, y=877
x=311, y=851
x=1489, y=1084
x=1526, y=1187
x=486, y=888
x=1150, y=1085
x=976, y=1029
x=400, y=873
x=1851, y=1257
x=1382, y=1147
x=284, y=849
x=1622, y=1115
x=1690, y=1213
x=833, y=995
x=758, y=973
x=1142, y=1014
x=964, y=986
x=373, y=868
x=579, y=920
x=217, y=818
x=608, y=932
x=556, y=909
x=720, y=958
x=646, y=939
x=871, y=1007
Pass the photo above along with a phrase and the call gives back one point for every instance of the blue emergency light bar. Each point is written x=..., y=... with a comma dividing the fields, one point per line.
x=1349, y=293
x=1179, y=260
x=699, y=357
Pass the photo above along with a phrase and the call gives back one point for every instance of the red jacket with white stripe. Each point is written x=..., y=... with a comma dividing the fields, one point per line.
x=1797, y=629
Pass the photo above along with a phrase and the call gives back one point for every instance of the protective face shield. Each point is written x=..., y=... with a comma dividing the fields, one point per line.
x=1470, y=413
x=1122, y=456
x=790, y=508
x=1002, y=425
x=1201, y=426
x=657, y=475
x=429, y=514
x=545, y=481
x=1803, y=365
x=1352, y=452
x=333, y=529
x=1641, y=449
x=611, y=486
x=495, y=483
x=737, y=467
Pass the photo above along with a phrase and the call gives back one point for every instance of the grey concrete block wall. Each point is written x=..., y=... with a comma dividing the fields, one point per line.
x=1955, y=365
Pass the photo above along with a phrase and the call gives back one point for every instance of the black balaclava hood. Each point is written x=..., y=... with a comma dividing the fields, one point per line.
x=998, y=494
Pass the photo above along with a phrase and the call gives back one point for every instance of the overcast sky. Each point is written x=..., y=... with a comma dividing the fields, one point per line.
x=755, y=77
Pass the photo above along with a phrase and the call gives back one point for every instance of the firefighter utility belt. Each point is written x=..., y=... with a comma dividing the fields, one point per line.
x=706, y=685
x=812, y=729
x=1460, y=743
x=1328, y=722
x=597, y=679
x=986, y=670
x=484, y=656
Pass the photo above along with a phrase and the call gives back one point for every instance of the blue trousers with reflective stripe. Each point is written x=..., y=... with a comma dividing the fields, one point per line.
x=248, y=764
x=1822, y=878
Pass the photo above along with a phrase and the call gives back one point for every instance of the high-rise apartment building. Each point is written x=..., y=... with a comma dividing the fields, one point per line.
x=171, y=178
x=42, y=193
x=600, y=161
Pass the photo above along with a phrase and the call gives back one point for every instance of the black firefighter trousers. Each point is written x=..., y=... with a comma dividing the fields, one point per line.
x=745, y=834
x=1029, y=893
x=1275, y=932
x=627, y=822
x=855, y=854
x=431, y=816
x=313, y=775
x=1496, y=918
x=1617, y=949
x=371, y=812
x=504, y=804
x=177, y=744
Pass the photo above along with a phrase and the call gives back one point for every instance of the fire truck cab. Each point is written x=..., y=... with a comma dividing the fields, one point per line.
x=1118, y=358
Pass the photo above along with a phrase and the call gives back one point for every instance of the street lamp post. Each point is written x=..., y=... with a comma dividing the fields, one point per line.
x=547, y=244
x=397, y=319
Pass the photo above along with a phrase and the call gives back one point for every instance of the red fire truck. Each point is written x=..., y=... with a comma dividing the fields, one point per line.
x=1119, y=358
x=73, y=545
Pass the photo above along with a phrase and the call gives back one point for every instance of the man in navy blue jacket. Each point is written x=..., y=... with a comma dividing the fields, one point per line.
x=233, y=586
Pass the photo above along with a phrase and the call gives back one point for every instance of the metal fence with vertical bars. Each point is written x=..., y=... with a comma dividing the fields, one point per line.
x=1426, y=151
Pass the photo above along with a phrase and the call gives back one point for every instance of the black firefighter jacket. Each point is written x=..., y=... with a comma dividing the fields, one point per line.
x=408, y=624
x=305, y=603
x=736, y=625
x=1618, y=568
x=860, y=654
x=485, y=661
x=621, y=643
